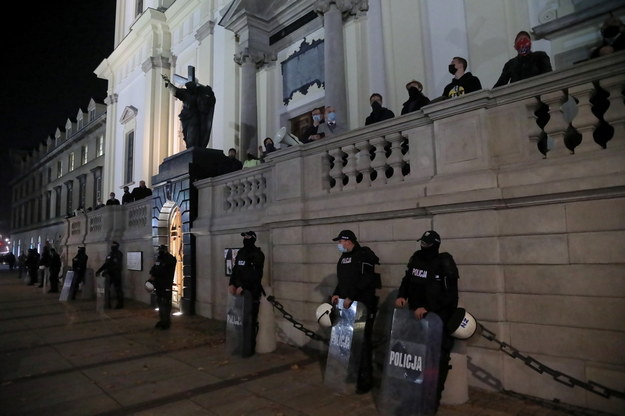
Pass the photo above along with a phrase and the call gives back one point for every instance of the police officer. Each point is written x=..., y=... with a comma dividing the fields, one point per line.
x=55, y=270
x=79, y=267
x=430, y=284
x=357, y=281
x=162, y=276
x=247, y=274
x=113, y=267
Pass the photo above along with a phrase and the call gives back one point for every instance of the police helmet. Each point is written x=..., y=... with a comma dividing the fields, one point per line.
x=326, y=315
x=149, y=286
x=461, y=324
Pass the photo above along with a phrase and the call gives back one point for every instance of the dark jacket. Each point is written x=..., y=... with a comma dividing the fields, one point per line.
x=415, y=101
x=126, y=198
x=248, y=270
x=79, y=263
x=141, y=192
x=465, y=84
x=112, y=201
x=431, y=282
x=524, y=66
x=163, y=272
x=357, y=279
x=112, y=264
x=378, y=114
x=55, y=264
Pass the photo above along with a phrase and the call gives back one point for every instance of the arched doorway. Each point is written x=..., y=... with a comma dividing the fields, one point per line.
x=176, y=249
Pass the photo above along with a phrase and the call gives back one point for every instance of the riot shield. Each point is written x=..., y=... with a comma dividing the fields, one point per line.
x=103, y=295
x=410, y=373
x=239, y=331
x=67, y=286
x=345, y=347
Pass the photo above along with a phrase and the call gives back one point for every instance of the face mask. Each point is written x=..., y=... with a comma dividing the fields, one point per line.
x=270, y=146
x=341, y=248
x=317, y=117
x=375, y=105
x=523, y=46
x=332, y=116
x=248, y=242
x=413, y=92
x=610, y=32
x=452, y=69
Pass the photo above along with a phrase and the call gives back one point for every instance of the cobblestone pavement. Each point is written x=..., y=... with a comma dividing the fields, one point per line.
x=64, y=358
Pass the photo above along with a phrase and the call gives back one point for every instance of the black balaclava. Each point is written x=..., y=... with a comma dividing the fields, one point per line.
x=428, y=253
x=249, y=242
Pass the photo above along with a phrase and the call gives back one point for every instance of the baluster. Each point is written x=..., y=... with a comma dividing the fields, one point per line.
x=336, y=172
x=228, y=197
x=557, y=125
x=379, y=162
x=350, y=167
x=533, y=129
x=585, y=120
x=615, y=114
x=262, y=184
x=363, y=164
x=248, y=193
x=395, y=159
x=238, y=195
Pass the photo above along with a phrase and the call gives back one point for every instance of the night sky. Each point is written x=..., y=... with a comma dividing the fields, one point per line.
x=47, y=73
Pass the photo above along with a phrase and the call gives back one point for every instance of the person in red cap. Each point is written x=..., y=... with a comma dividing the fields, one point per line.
x=357, y=281
x=247, y=274
x=430, y=284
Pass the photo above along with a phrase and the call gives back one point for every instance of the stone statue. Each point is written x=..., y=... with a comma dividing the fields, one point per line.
x=198, y=106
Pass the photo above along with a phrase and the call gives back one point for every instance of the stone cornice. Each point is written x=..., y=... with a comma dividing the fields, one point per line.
x=156, y=62
x=346, y=7
x=205, y=31
x=246, y=55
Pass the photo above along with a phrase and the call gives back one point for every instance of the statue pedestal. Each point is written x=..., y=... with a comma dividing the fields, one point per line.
x=194, y=163
x=173, y=190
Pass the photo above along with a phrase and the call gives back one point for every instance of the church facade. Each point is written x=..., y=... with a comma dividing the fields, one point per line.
x=524, y=183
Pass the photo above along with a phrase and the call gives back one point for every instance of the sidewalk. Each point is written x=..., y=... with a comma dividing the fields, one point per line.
x=63, y=358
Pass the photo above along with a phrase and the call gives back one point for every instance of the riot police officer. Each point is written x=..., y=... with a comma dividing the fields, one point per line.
x=162, y=276
x=247, y=274
x=357, y=281
x=113, y=267
x=430, y=284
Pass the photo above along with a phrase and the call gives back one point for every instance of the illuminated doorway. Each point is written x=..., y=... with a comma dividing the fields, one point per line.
x=176, y=250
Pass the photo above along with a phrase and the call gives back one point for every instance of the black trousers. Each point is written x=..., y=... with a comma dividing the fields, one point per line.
x=78, y=278
x=116, y=282
x=365, y=370
x=54, y=280
x=163, y=301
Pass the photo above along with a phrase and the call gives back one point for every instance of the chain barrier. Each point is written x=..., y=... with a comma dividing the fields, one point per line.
x=540, y=368
x=295, y=323
x=508, y=349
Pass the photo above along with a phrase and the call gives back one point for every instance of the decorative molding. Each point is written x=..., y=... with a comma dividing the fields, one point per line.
x=205, y=31
x=245, y=55
x=128, y=114
x=155, y=62
x=346, y=7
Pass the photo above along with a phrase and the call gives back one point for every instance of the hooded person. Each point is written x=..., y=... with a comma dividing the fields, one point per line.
x=526, y=64
x=430, y=284
x=247, y=274
x=463, y=82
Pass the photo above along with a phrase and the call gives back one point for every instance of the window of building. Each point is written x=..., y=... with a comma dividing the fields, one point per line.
x=99, y=146
x=70, y=162
x=80, y=124
x=59, y=168
x=130, y=139
x=69, y=132
x=83, y=155
x=138, y=8
x=97, y=185
x=48, y=205
x=57, y=201
x=82, y=190
x=91, y=114
x=69, y=197
x=49, y=174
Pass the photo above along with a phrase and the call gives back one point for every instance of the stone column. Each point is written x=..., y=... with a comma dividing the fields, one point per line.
x=249, y=62
x=334, y=54
x=375, y=50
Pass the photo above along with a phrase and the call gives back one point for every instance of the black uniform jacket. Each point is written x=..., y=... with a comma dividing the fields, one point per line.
x=356, y=275
x=163, y=272
x=248, y=270
x=431, y=283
